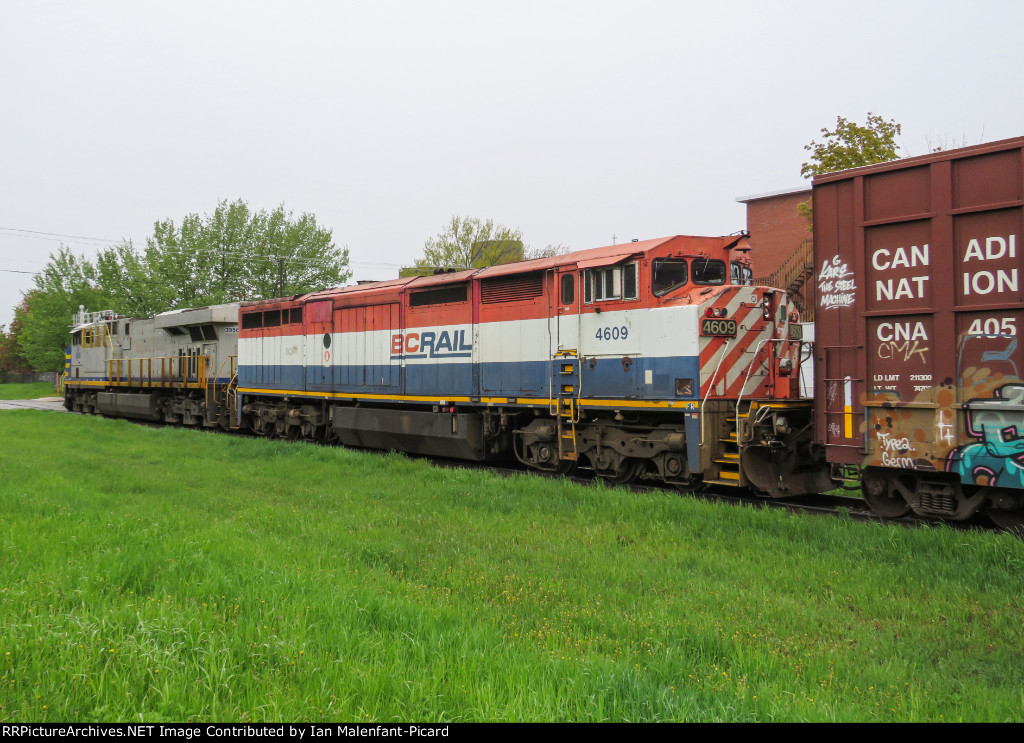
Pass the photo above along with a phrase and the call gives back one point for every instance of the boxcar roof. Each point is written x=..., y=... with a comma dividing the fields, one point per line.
x=910, y=162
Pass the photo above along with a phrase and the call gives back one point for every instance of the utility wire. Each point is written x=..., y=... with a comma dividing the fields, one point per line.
x=58, y=234
x=52, y=239
x=54, y=236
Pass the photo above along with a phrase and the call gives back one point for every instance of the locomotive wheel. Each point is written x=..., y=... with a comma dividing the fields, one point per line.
x=566, y=467
x=881, y=499
x=628, y=471
x=1010, y=520
x=695, y=486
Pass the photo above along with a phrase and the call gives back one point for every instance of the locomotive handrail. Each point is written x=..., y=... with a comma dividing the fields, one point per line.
x=711, y=386
x=88, y=318
x=230, y=361
x=168, y=375
x=750, y=366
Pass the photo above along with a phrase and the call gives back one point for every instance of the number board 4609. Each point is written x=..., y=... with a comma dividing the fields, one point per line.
x=717, y=326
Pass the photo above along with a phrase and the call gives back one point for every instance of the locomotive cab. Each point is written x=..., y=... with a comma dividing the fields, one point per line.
x=685, y=349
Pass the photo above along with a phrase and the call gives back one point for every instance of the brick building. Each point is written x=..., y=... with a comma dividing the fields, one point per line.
x=781, y=242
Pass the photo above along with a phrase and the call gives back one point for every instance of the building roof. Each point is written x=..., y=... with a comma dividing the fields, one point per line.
x=771, y=194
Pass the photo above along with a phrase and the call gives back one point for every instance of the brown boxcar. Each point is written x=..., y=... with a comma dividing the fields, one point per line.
x=920, y=309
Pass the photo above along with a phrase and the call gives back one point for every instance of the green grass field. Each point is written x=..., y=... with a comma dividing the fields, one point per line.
x=27, y=391
x=175, y=575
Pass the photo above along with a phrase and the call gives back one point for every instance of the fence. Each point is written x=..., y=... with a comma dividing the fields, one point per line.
x=22, y=377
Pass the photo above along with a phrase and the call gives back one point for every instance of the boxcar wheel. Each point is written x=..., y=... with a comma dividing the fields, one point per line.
x=1012, y=521
x=881, y=498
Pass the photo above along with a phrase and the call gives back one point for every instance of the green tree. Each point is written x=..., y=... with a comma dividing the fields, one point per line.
x=549, y=251
x=468, y=242
x=851, y=145
x=126, y=284
x=66, y=282
x=12, y=361
x=230, y=255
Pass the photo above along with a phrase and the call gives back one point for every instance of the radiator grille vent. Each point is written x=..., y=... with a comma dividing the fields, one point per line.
x=512, y=288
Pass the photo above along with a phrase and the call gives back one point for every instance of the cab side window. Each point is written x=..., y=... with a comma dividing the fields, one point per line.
x=568, y=288
x=668, y=274
x=616, y=282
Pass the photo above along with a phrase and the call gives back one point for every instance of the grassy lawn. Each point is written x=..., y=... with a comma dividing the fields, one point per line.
x=27, y=391
x=174, y=575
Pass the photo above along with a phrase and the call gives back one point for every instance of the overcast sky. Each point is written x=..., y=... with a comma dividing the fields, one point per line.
x=575, y=121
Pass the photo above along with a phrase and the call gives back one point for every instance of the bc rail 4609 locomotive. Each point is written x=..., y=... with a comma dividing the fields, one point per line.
x=653, y=359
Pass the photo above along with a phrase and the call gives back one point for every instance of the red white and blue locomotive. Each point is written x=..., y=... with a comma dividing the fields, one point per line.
x=655, y=359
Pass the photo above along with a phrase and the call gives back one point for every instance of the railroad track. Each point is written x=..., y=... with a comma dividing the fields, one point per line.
x=834, y=506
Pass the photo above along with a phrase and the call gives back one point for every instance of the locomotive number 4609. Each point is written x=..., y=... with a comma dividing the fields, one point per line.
x=717, y=326
x=612, y=333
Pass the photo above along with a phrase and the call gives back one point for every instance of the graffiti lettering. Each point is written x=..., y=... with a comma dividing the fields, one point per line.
x=906, y=463
x=836, y=285
x=891, y=444
x=945, y=428
x=903, y=351
x=894, y=451
x=834, y=269
x=996, y=455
